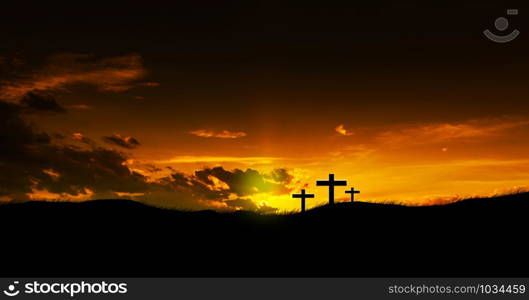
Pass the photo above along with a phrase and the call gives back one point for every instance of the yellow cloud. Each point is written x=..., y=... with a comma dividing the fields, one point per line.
x=218, y=185
x=45, y=195
x=341, y=130
x=125, y=194
x=219, y=159
x=224, y=134
x=53, y=174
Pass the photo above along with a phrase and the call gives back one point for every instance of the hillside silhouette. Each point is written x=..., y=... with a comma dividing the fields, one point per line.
x=475, y=237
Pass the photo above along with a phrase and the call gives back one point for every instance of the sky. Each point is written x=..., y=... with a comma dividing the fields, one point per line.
x=237, y=105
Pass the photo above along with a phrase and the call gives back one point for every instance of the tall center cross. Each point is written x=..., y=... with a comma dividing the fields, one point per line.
x=331, y=183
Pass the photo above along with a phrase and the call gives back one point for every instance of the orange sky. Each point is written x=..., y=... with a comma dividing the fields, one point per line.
x=414, y=163
x=146, y=106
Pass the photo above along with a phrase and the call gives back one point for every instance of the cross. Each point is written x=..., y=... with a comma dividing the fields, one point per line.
x=331, y=183
x=303, y=196
x=352, y=192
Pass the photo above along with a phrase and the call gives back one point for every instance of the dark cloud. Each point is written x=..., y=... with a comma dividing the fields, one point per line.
x=281, y=176
x=101, y=170
x=195, y=188
x=81, y=138
x=15, y=133
x=150, y=84
x=80, y=107
x=35, y=165
x=244, y=183
x=59, y=136
x=33, y=101
x=28, y=157
x=17, y=143
x=216, y=187
x=127, y=142
x=242, y=204
x=115, y=74
x=152, y=168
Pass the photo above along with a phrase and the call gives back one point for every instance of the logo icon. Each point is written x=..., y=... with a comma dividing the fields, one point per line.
x=12, y=290
x=502, y=24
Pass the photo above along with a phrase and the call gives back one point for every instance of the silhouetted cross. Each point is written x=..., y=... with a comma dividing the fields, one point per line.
x=331, y=183
x=303, y=196
x=352, y=192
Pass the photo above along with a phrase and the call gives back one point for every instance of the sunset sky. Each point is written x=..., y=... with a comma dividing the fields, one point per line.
x=237, y=106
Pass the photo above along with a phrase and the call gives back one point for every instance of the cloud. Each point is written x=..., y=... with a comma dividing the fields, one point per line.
x=242, y=204
x=37, y=166
x=280, y=175
x=79, y=107
x=128, y=195
x=150, y=84
x=52, y=173
x=33, y=165
x=265, y=209
x=248, y=205
x=219, y=184
x=77, y=136
x=471, y=163
x=442, y=132
x=114, y=74
x=127, y=142
x=45, y=195
x=359, y=151
x=224, y=134
x=222, y=189
x=340, y=129
x=219, y=159
x=244, y=183
x=38, y=102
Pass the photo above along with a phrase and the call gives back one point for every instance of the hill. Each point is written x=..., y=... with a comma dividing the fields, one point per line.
x=475, y=237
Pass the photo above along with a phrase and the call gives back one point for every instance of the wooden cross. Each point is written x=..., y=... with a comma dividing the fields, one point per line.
x=352, y=192
x=331, y=183
x=303, y=196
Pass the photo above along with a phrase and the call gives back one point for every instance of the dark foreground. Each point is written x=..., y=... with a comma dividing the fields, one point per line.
x=479, y=237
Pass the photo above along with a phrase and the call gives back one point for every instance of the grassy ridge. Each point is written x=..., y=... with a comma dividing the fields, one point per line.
x=475, y=237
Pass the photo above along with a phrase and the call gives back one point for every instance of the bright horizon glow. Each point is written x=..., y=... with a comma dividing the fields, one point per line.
x=413, y=165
